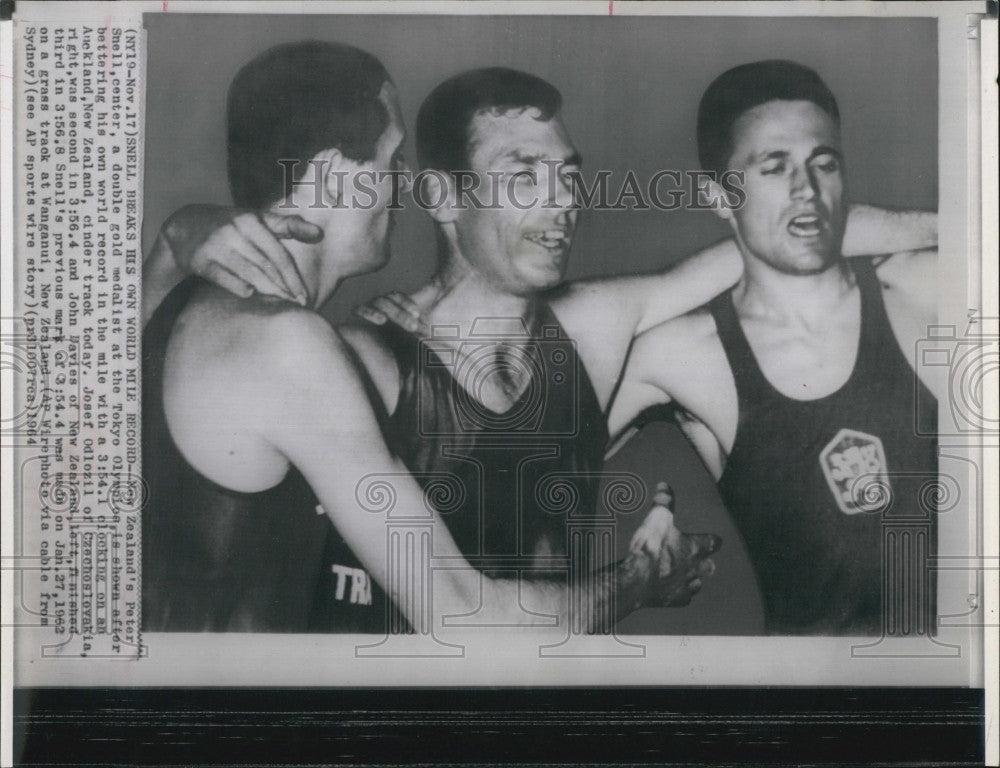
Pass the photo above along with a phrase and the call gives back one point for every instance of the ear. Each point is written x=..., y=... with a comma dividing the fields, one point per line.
x=330, y=172
x=435, y=190
x=713, y=196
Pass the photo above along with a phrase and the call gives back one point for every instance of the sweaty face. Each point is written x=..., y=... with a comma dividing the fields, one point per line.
x=794, y=215
x=520, y=243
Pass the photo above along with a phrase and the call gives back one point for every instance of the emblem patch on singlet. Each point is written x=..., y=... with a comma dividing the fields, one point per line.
x=854, y=466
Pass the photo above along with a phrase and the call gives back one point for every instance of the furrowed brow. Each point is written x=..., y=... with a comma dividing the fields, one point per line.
x=763, y=157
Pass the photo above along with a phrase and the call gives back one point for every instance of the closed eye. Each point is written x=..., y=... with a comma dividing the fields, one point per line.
x=828, y=164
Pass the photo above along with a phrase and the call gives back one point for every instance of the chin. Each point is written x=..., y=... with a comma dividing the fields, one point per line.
x=807, y=261
x=540, y=281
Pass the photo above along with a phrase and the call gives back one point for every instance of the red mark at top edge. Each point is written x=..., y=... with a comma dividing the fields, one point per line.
x=164, y=6
x=611, y=7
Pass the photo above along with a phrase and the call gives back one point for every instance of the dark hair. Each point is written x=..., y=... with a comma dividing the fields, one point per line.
x=444, y=117
x=292, y=102
x=742, y=88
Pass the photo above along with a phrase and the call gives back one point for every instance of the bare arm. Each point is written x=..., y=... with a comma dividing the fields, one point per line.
x=649, y=300
x=323, y=419
x=873, y=231
x=241, y=252
x=238, y=250
x=913, y=274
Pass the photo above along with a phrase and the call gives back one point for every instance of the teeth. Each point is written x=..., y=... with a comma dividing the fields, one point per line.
x=549, y=238
x=807, y=225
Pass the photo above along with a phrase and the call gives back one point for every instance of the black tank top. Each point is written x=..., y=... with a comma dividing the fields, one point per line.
x=520, y=474
x=834, y=496
x=218, y=560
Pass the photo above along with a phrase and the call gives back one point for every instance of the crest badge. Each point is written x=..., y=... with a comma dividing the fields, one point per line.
x=855, y=469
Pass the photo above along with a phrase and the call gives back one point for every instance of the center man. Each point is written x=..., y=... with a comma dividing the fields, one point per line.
x=254, y=411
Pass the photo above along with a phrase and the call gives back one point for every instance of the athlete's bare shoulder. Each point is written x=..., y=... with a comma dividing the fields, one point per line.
x=232, y=368
x=248, y=346
x=685, y=360
x=369, y=344
x=909, y=290
x=911, y=277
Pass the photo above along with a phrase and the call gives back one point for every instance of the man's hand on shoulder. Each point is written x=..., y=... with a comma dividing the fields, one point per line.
x=397, y=308
x=240, y=250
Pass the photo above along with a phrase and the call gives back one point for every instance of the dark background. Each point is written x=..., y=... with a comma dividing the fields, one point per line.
x=631, y=88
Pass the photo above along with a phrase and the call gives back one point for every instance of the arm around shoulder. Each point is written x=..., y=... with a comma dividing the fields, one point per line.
x=874, y=231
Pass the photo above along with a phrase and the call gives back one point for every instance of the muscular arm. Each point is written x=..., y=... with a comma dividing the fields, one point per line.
x=648, y=300
x=872, y=231
x=683, y=363
x=913, y=274
x=241, y=252
x=238, y=250
x=323, y=420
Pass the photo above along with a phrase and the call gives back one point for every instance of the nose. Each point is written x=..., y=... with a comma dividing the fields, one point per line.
x=804, y=185
x=561, y=190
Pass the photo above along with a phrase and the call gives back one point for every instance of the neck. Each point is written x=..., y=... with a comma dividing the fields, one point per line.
x=766, y=292
x=321, y=273
x=458, y=295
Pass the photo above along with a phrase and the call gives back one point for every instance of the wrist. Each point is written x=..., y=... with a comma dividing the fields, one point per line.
x=635, y=586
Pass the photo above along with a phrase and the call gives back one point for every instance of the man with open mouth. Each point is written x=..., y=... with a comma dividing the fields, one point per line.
x=797, y=386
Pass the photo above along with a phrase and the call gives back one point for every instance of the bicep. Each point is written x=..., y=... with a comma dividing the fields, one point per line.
x=871, y=230
x=681, y=289
x=634, y=395
x=914, y=275
x=640, y=302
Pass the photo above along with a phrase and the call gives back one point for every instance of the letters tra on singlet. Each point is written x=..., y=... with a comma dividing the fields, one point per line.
x=217, y=560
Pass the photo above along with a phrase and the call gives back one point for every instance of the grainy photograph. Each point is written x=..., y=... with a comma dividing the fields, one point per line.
x=635, y=341
x=581, y=350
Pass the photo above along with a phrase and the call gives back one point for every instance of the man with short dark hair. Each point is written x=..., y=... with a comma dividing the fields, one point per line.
x=797, y=386
x=256, y=421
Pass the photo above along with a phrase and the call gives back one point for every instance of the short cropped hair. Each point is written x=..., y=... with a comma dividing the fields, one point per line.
x=742, y=88
x=294, y=101
x=446, y=115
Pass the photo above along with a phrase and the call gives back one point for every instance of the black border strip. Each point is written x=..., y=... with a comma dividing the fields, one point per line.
x=549, y=726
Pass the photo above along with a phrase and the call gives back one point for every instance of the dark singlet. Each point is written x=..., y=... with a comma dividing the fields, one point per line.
x=219, y=560
x=834, y=496
x=519, y=474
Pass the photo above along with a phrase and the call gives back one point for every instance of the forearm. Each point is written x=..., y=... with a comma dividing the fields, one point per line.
x=691, y=283
x=873, y=231
x=160, y=274
x=592, y=601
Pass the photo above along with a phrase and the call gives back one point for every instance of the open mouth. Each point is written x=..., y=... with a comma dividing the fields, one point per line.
x=806, y=225
x=549, y=238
